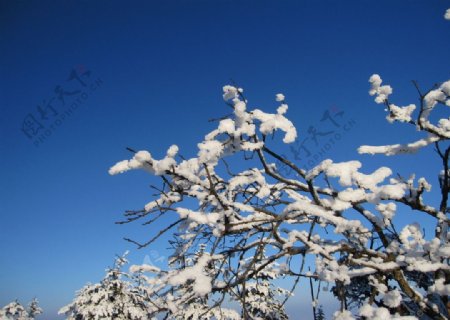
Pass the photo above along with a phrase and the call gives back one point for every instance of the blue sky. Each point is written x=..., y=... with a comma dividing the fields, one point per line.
x=155, y=71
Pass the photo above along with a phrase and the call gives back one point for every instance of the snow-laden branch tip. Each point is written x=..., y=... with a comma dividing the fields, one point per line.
x=279, y=97
x=396, y=149
x=381, y=92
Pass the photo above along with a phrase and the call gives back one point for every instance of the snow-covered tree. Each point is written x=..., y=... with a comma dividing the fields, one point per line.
x=320, y=313
x=166, y=301
x=115, y=297
x=246, y=220
x=34, y=309
x=234, y=225
x=15, y=311
x=260, y=300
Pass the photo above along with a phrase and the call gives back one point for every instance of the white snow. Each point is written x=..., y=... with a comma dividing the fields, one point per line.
x=402, y=114
x=144, y=268
x=343, y=315
x=395, y=149
x=196, y=273
x=230, y=93
x=382, y=92
x=392, y=298
x=271, y=122
x=279, y=97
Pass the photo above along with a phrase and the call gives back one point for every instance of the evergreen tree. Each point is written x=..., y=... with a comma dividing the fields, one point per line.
x=113, y=298
x=320, y=314
x=15, y=311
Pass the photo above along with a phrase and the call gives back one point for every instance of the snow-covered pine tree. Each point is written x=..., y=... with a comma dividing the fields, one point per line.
x=115, y=297
x=260, y=297
x=180, y=302
x=320, y=313
x=34, y=309
x=15, y=311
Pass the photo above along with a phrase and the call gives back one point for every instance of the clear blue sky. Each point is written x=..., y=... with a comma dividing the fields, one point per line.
x=160, y=67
